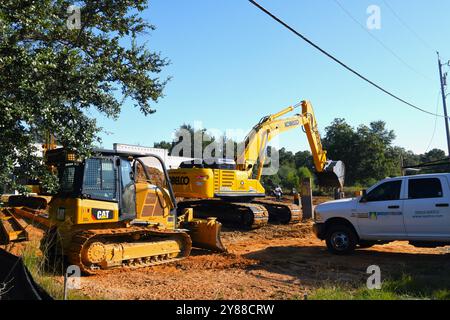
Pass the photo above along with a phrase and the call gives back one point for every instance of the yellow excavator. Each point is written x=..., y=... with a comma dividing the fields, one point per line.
x=228, y=190
x=117, y=210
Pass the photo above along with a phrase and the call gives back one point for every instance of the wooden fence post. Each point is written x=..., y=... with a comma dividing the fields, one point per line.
x=306, y=196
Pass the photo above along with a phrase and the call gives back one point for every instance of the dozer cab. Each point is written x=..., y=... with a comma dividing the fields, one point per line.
x=235, y=186
x=118, y=210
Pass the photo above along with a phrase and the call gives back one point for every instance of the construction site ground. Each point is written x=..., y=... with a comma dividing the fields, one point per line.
x=274, y=262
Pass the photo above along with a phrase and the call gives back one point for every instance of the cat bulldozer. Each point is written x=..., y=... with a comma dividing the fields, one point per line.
x=116, y=210
x=234, y=185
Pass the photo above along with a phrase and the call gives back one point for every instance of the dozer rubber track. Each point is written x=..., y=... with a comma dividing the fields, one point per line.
x=230, y=214
x=281, y=213
x=82, y=241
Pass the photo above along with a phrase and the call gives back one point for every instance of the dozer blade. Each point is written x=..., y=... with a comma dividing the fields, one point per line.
x=205, y=234
x=10, y=228
x=33, y=202
x=333, y=175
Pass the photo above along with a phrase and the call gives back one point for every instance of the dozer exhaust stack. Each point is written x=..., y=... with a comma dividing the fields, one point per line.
x=333, y=175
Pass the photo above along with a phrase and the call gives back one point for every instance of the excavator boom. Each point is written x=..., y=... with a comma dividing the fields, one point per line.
x=330, y=173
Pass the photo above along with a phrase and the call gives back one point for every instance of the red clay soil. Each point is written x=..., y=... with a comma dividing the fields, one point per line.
x=275, y=262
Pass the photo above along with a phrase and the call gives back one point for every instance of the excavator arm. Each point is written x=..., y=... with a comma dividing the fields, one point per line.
x=330, y=173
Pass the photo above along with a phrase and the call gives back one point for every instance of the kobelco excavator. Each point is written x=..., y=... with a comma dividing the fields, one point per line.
x=117, y=210
x=229, y=189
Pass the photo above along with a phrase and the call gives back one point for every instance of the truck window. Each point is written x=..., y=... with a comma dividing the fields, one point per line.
x=424, y=188
x=387, y=191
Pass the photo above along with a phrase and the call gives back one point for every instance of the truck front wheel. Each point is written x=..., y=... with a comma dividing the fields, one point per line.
x=340, y=239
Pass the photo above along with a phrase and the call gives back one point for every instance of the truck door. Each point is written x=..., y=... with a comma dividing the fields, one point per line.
x=380, y=212
x=427, y=208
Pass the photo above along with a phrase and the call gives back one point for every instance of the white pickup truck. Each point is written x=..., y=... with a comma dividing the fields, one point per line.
x=412, y=208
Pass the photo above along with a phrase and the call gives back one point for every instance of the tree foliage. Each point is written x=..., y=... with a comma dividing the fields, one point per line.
x=367, y=152
x=53, y=76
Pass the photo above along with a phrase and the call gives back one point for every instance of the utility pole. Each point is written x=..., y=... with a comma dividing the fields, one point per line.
x=443, y=78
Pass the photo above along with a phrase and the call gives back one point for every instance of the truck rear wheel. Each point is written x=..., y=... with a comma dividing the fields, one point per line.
x=340, y=239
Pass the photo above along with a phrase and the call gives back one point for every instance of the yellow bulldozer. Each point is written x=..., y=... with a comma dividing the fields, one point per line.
x=115, y=210
x=230, y=190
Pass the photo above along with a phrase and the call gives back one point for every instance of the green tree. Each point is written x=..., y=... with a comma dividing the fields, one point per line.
x=340, y=141
x=367, y=152
x=52, y=76
x=303, y=159
x=288, y=177
x=163, y=145
x=433, y=155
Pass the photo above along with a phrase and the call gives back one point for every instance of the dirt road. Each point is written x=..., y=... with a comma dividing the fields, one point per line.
x=276, y=262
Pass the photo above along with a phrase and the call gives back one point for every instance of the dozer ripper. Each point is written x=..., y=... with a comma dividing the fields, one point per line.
x=117, y=210
x=228, y=190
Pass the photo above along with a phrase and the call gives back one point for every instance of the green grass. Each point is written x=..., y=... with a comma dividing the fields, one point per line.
x=406, y=287
x=35, y=263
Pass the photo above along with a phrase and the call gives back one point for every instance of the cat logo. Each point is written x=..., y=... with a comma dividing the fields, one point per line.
x=99, y=214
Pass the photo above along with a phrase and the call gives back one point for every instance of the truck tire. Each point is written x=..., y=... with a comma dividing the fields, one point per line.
x=340, y=239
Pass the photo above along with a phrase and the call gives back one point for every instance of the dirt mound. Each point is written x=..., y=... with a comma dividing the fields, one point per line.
x=156, y=177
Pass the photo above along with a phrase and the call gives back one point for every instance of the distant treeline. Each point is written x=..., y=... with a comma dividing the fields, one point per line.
x=367, y=152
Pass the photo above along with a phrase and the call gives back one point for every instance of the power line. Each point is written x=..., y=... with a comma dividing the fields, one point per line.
x=340, y=62
x=392, y=52
x=397, y=16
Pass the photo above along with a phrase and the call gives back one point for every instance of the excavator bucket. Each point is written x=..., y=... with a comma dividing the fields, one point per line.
x=205, y=234
x=333, y=175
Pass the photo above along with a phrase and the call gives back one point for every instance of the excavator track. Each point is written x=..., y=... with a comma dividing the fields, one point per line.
x=281, y=213
x=135, y=247
x=230, y=214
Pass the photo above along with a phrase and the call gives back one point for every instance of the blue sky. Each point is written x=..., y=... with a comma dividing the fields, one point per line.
x=231, y=65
